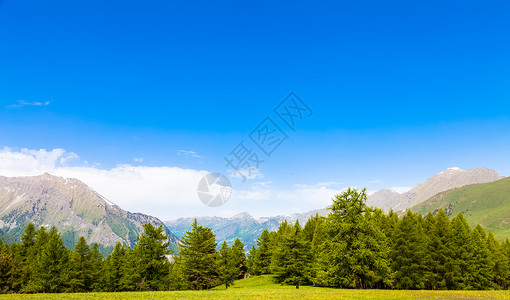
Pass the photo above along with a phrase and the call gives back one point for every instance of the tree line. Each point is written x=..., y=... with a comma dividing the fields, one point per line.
x=355, y=246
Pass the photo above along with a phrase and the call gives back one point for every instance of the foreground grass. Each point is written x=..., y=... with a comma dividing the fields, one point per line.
x=262, y=287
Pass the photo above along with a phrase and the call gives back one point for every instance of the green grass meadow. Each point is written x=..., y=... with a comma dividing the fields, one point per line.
x=262, y=287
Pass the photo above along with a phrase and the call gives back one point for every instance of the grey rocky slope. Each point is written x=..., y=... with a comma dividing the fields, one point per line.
x=73, y=207
x=443, y=181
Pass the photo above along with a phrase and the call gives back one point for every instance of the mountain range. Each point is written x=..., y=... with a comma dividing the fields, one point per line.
x=487, y=204
x=70, y=205
x=243, y=226
x=248, y=228
x=448, y=179
x=77, y=210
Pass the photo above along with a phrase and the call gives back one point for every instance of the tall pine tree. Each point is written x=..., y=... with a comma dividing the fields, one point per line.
x=292, y=259
x=150, y=251
x=198, y=257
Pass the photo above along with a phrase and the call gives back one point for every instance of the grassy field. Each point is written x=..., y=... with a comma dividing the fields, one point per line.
x=261, y=287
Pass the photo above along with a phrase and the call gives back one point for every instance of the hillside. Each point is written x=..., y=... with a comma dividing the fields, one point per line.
x=73, y=207
x=450, y=178
x=487, y=204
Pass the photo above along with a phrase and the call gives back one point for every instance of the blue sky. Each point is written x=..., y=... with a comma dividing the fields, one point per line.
x=399, y=90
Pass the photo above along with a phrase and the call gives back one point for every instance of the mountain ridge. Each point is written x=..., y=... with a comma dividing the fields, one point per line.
x=229, y=228
x=70, y=205
x=487, y=204
x=450, y=178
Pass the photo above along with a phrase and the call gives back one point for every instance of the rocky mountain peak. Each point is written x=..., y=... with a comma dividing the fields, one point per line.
x=70, y=205
x=440, y=182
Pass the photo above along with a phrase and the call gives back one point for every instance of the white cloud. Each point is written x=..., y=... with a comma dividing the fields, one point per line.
x=260, y=199
x=168, y=192
x=138, y=159
x=165, y=192
x=21, y=103
x=189, y=153
x=246, y=173
x=319, y=185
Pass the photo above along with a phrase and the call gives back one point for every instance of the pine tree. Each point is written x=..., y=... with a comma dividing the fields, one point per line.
x=227, y=265
x=151, y=250
x=199, y=257
x=250, y=259
x=10, y=272
x=27, y=251
x=32, y=282
x=262, y=258
x=80, y=263
x=408, y=253
x=292, y=258
x=177, y=281
x=51, y=269
x=315, y=234
x=96, y=265
x=28, y=240
x=440, y=253
x=111, y=271
x=462, y=245
x=238, y=255
x=482, y=264
x=355, y=254
x=499, y=260
x=131, y=278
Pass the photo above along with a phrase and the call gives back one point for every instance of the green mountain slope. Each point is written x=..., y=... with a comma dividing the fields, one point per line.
x=487, y=204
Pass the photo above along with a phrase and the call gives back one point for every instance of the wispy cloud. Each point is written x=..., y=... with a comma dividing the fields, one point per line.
x=319, y=185
x=247, y=173
x=374, y=181
x=138, y=159
x=189, y=153
x=21, y=103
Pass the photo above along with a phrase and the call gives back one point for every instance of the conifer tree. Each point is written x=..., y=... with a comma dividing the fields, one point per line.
x=356, y=252
x=51, y=272
x=199, y=257
x=499, y=260
x=462, y=245
x=10, y=271
x=440, y=253
x=151, y=250
x=315, y=234
x=482, y=263
x=292, y=258
x=28, y=241
x=238, y=255
x=227, y=265
x=408, y=253
x=80, y=263
x=262, y=257
x=96, y=265
x=131, y=278
x=111, y=271
x=250, y=259
x=27, y=251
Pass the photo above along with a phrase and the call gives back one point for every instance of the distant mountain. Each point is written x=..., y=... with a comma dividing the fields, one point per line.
x=73, y=207
x=487, y=204
x=242, y=226
x=248, y=228
x=448, y=179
